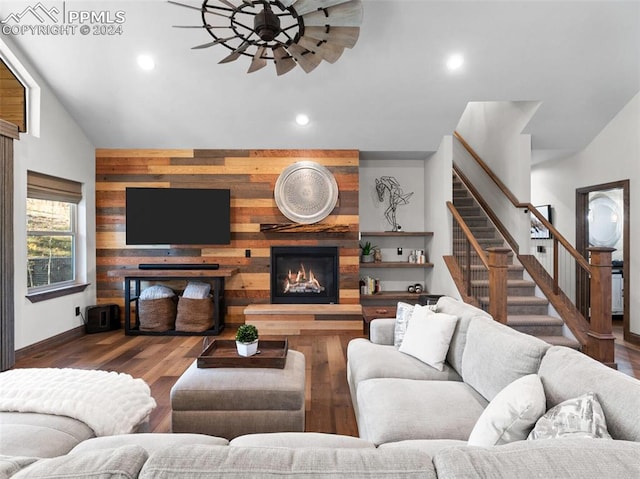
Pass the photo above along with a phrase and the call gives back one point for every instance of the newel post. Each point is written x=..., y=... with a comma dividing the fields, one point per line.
x=601, y=344
x=498, y=264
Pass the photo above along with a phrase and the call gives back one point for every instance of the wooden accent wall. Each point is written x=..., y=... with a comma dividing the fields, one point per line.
x=13, y=99
x=251, y=176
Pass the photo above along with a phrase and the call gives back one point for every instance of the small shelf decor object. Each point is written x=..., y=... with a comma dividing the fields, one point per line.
x=390, y=187
x=247, y=340
x=367, y=250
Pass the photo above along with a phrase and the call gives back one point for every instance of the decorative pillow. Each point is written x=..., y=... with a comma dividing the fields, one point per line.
x=428, y=336
x=403, y=315
x=511, y=414
x=196, y=290
x=157, y=291
x=577, y=417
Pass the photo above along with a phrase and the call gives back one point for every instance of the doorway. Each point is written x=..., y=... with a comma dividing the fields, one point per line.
x=602, y=219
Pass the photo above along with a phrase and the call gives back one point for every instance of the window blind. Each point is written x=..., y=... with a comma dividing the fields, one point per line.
x=46, y=187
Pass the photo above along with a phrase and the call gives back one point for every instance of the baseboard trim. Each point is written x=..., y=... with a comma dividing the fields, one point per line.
x=52, y=342
x=632, y=338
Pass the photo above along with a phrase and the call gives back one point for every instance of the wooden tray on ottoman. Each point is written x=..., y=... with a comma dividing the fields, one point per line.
x=222, y=353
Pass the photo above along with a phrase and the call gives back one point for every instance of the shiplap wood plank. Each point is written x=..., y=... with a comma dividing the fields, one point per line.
x=151, y=153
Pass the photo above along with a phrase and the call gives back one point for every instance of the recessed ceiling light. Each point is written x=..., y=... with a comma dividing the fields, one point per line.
x=302, y=119
x=146, y=62
x=455, y=62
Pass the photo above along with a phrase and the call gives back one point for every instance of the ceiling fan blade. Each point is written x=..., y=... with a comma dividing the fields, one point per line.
x=248, y=2
x=344, y=15
x=185, y=5
x=216, y=42
x=306, y=59
x=258, y=62
x=287, y=3
x=200, y=9
x=236, y=53
x=284, y=63
x=342, y=36
x=327, y=51
x=229, y=4
x=307, y=6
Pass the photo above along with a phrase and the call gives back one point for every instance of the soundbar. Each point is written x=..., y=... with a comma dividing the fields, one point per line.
x=178, y=266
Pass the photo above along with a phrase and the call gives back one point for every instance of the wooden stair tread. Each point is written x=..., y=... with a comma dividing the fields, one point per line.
x=533, y=320
x=518, y=300
x=510, y=282
x=511, y=266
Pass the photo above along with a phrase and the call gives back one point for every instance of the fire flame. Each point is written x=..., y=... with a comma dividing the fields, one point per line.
x=299, y=282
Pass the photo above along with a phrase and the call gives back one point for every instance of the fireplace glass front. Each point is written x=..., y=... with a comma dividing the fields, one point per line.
x=304, y=274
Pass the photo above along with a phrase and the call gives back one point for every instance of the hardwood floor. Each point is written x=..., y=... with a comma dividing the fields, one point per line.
x=160, y=360
x=627, y=354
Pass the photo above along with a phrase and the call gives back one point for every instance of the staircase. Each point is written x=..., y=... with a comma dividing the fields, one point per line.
x=525, y=311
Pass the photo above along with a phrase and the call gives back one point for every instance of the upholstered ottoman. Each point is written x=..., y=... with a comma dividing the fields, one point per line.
x=230, y=402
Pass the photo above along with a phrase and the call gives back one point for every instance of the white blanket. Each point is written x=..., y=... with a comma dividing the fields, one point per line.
x=108, y=402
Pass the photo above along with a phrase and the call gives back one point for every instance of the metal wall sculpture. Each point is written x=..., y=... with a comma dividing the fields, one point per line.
x=390, y=187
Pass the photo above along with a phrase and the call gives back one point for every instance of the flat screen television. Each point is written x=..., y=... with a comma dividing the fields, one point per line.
x=178, y=216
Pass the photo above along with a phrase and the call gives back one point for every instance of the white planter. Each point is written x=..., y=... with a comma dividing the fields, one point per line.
x=247, y=349
x=367, y=258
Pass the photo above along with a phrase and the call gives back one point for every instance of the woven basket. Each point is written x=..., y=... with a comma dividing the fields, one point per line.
x=157, y=314
x=194, y=315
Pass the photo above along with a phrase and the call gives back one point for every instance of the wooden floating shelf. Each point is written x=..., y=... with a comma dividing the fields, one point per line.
x=391, y=296
x=396, y=264
x=302, y=228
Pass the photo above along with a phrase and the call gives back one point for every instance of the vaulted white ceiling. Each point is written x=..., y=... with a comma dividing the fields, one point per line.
x=391, y=92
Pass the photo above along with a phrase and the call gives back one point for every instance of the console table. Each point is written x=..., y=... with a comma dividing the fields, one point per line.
x=217, y=276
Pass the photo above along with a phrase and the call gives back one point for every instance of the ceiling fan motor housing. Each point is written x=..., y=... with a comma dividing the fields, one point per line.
x=267, y=24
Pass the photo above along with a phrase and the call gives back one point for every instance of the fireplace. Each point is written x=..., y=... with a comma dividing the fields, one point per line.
x=304, y=274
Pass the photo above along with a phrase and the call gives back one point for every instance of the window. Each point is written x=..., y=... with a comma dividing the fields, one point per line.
x=51, y=231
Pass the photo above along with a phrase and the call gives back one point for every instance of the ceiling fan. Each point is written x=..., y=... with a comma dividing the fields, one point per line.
x=287, y=32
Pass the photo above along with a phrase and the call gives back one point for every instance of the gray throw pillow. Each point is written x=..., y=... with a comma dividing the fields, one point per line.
x=403, y=315
x=576, y=417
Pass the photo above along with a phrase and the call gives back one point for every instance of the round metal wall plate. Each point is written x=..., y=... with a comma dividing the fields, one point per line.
x=306, y=192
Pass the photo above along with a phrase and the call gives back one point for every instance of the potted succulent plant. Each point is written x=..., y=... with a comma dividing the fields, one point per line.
x=367, y=252
x=247, y=340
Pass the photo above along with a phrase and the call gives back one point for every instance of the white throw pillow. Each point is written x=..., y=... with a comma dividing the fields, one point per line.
x=576, y=417
x=157, y=291
x=428, y=336
x=403, y=315
x=511, y=414
x=196, y=290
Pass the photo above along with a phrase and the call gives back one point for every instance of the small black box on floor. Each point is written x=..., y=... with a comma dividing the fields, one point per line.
x=103, y=317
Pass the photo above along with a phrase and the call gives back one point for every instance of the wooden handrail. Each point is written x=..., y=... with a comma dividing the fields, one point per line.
x=507, y=192
x=580, y=260
x=482, y=254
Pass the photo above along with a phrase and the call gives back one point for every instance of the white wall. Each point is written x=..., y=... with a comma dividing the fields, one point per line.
x=63, y=150
x=439, y=190
x=613, y=155
x=494, y=131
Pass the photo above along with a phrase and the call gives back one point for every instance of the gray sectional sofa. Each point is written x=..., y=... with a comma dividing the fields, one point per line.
x=414, y=421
